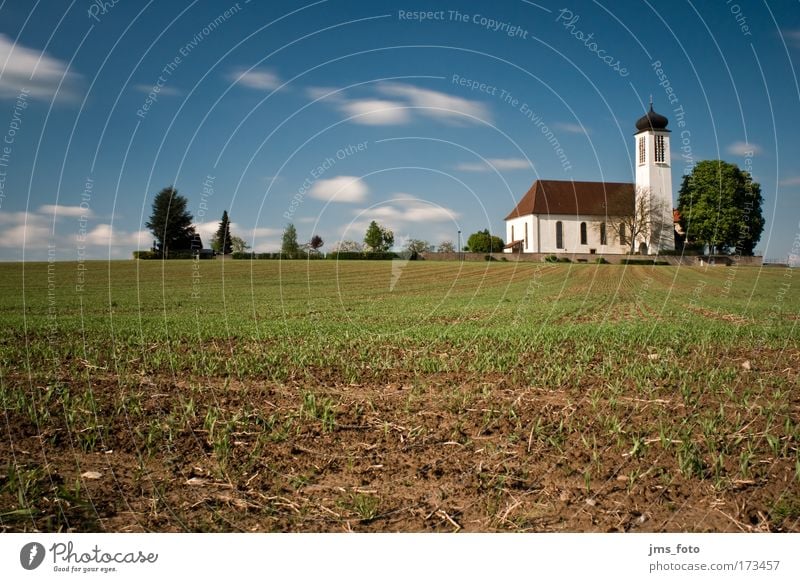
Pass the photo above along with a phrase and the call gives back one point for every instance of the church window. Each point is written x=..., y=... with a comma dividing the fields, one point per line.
x=526, y=235
x=603, y=233
x=583, y=233
x=622, y=237
x=512, y=234
x=660, y=157
x=641, y=150
x=559, y=235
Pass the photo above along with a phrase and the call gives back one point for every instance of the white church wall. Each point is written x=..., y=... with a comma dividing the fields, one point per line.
x=571, y=243
x=515, y=230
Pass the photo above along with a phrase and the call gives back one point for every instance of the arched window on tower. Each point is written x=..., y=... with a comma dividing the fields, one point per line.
x=559, y=235
x=642, y=150
x=583, y=233
x=660, y=156
x=603, y=233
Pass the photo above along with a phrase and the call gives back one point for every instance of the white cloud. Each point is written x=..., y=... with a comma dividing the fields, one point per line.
x=34, y=236
x=405, y=103
x=165, y=90
x=20, y=217
x=741, y=148
x=260, y=232
x=572, y=128
x=365, y=111
x=260, y=239
x=104, y=235
x=498, y=163
x=35, y=71
x=61, y=210
x=207, y=230
x=34, y=230
x=376, y=112
x=262, y=79
x=340, y=189
x=405, y=209
x=793, y=37
x=793, y=181
x=24, y=227
x=263, y=239
x=323, y=93
x=436, y=104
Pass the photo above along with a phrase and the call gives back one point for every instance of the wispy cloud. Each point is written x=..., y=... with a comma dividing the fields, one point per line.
x=401, y=103
x=262, y=79
x=793, y=181
x=572, y=128
x=208, y=230
x=323, y=92
x=376, y=112
x=58, y=210
x=340, y=189
x=436, y=104
x=260, y=239
x=34, y=231
x=164, y=90
x=364, y=111
x=495, y=163
x=792, y=37
x=28, y=229
x=405, y=209
x=35, y=71
x=104, y=235
x=741, y=148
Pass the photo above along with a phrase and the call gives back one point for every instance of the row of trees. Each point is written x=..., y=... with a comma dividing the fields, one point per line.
x=379, y=239
x=173, y=230
x=291, y=248
x=719, y=206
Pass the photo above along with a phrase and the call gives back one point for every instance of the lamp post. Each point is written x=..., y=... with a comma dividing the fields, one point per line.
x=460, y=257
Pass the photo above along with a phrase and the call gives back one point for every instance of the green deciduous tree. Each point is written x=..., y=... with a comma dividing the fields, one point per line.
x=170, y=222
x=289, y=244
x=222, y=240
x=720, y=207
x=378, y=238
x=484, y=242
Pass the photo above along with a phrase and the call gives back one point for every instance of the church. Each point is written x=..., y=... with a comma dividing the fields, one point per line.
x=563, y=216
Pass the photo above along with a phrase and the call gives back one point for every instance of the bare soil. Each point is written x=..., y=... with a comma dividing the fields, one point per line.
x=439, y=452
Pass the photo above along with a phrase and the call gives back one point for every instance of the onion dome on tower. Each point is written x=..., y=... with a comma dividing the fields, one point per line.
x=652, y=120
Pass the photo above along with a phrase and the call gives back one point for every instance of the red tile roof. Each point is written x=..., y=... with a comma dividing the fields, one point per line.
x=567, y=197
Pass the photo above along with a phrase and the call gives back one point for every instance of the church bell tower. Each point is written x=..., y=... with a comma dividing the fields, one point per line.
x=654, y=181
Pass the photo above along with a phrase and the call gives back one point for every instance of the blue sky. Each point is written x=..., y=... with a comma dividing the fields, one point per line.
x=330, y=114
